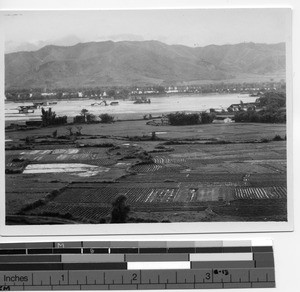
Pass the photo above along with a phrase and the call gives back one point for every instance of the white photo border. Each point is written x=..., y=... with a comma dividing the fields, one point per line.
x=155, y=228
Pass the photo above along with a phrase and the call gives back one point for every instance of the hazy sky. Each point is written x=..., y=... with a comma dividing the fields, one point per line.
x=187, y=27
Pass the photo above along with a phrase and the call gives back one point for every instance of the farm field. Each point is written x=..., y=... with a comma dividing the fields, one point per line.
x=125, y=129
x=185, y=175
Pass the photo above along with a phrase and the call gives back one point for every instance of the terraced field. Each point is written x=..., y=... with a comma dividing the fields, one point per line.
x=228, y=182
x=78, y=211
x=146, y=168
x=163, y=159
x=177, y=176
x=260, y=193
x=94, y=203
x=27, y=190
x=65, y=155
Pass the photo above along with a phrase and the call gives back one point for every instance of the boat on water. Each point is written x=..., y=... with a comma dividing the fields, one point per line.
x=45, y=103
x=26, y=109
x=141, y=101
x=103, y=102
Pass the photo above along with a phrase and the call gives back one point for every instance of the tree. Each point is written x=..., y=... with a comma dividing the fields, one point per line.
x=84, y=112
x=70, y=129
x=59, y=95
x=160, y=89
x=123, y=93
x=48, y=117
x=153, y=136
x=111, y=93
x=79, y=128
x=120, y=210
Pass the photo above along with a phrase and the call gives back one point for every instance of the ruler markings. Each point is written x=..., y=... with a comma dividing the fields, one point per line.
x=136, y=265
x=261, y=249
x=141, y=244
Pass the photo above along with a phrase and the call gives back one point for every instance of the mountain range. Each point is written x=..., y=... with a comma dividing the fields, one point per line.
x=138, y=63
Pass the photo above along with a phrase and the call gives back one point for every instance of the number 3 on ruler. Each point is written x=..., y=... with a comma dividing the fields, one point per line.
x=207, y=276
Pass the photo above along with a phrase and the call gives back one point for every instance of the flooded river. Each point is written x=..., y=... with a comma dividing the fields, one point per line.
x=127, y=109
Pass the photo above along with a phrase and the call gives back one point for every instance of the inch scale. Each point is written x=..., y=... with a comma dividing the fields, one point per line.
x=121, y=265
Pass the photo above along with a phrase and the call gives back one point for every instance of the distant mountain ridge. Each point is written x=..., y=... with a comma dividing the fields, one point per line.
x=137, y=63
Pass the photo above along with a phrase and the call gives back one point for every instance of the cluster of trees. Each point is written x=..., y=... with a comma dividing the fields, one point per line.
x=264, y=116
x=49, y=118
x=272, y=100
x=182, y=118
x=86, y=117
x=273, y=110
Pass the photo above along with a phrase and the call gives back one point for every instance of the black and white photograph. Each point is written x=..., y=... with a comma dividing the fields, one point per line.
x=159, y=116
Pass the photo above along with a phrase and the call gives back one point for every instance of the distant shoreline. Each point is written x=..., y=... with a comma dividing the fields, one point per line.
x=125, y=99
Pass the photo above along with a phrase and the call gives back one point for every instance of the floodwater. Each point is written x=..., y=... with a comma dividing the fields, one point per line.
x=79, y=169
x=127, y=109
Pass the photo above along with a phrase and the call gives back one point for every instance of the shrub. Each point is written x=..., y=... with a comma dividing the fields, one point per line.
x=207, y=118
x=153, y=136
x=60, y=120
x=182, y=119
x=277, y=138
x=70, y=129
x=29, y=139
x=106, y=118
x=120, y=211
x=90, y=118
x=264, y=140
x=79, y=129
x=79, y=119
